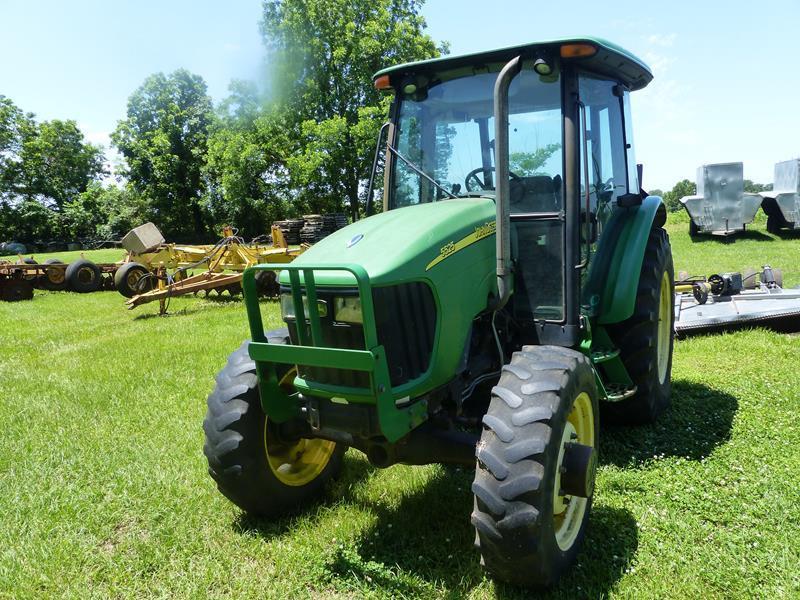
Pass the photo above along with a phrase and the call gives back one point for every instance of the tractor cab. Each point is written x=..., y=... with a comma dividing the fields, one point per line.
x=567, y=151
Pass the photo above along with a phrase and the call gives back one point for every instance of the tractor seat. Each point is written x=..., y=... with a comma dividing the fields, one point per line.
x=536, y=193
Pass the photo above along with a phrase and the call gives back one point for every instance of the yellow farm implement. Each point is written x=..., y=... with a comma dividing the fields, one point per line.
x=163, y=271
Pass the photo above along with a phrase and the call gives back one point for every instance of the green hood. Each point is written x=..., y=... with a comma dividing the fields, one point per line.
x=415, y=242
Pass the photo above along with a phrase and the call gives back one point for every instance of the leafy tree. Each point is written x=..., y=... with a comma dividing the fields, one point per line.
x=526, y=164
x=656, y=192
x=754, y=188
x=682, y=188
x=164, y=141
x=246, y=175
x=57, y=164
x=324, y=53
x=13, y=125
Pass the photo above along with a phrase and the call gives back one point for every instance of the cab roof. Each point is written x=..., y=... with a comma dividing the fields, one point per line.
x=609, y=59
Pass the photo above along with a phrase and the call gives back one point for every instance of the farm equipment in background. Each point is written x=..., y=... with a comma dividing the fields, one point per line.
x=155, y=271
x=782, y=203
x=735, y=300
x=18, y=279
x=721, y=206
x=481, y=317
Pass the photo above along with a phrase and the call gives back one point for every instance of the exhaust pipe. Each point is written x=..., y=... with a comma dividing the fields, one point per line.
x=502, y=192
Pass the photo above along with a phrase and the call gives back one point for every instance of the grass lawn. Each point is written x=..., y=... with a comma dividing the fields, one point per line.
x=104, y=491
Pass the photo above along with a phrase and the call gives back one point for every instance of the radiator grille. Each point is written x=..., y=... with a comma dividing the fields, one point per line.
x=406, y=324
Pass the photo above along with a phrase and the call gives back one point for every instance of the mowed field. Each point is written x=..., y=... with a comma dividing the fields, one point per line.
x=104, y=490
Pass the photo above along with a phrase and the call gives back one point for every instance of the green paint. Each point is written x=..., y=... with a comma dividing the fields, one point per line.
x=610, y=59
x=610, y=291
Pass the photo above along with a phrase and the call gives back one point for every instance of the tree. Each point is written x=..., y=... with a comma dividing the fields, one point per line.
x=164, y=141
x=324, y=53
x=755, y=188
x=246, y=174
x=682, y=188
x=526, y=164
x=57, y=163
x=13, y=124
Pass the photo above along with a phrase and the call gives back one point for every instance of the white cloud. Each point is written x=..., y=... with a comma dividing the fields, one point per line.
x=664, y=40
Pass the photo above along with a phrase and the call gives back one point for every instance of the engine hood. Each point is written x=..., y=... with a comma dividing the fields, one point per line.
x=405, y=244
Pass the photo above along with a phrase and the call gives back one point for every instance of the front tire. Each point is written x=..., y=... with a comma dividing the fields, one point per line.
x=529, y=528
x=646, y=338
x=252, y=465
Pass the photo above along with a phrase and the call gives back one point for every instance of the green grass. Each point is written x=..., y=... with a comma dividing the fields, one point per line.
x=105, y=255
x=104, y=491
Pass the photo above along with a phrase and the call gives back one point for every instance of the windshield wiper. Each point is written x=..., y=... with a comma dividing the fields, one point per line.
x=419, y=171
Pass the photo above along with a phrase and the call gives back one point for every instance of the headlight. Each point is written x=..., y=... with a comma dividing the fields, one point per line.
x=348, y=309
x=287, y=307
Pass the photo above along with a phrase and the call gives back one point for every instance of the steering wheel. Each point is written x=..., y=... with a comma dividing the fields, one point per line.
x=472, y=176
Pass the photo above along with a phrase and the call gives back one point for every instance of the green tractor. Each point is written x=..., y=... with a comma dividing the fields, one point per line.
x=516, y=279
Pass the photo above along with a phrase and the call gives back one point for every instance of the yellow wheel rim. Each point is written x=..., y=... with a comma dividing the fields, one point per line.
x=664, y=322
x=295, y=462
x=134, y=275
x=568, y=511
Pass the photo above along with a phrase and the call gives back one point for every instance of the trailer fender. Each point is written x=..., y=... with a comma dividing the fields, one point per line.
x=613, y=277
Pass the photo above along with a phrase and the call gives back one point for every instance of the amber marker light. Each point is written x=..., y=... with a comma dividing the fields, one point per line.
x=383, y=83
x=577, y=50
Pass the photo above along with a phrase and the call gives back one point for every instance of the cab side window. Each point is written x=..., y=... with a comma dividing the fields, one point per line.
x=605, y=145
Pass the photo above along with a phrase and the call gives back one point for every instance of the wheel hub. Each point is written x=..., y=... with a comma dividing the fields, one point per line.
x=578, y=469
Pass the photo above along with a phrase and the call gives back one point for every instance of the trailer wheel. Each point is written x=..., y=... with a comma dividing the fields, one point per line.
x=253, y=465
x=534, y=480
x=693, y=229
x=54, y=279
x=83, y=276
x=646, y=338
x=14, y=290
x=128, y=279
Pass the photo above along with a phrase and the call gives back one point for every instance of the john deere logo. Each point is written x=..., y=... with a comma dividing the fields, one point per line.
x=354, y=240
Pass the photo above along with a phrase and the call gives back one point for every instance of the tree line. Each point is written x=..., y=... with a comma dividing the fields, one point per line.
x=303, y=144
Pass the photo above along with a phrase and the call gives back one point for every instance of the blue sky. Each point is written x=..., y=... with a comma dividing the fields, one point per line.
x=725, y=88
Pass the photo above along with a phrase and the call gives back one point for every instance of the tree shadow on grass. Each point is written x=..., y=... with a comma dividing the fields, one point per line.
x=699, y=420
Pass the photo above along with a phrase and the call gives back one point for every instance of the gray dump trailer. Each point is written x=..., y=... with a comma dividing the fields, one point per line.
x=721, y=206
x=782, y=203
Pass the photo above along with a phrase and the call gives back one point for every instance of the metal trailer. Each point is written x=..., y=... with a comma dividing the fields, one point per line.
x=733, y=300
x=721, y=206
x=19, y=279
x=782, y=203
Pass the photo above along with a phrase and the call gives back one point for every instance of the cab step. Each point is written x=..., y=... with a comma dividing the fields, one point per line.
x=616, y=392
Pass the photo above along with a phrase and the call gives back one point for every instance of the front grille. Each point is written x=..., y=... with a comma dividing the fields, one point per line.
x=406, y=324
x=406, y=320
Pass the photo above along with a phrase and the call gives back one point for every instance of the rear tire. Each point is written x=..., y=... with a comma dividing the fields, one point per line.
x=244, y=450
x=646, y=339
x=693, y=229
x=83, y=276
x=525, y=531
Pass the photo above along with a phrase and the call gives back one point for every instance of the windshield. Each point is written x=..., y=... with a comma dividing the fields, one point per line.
x=448, y=134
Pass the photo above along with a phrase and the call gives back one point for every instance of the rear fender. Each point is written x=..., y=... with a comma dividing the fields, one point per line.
x=613, y=279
